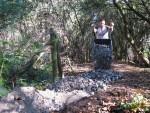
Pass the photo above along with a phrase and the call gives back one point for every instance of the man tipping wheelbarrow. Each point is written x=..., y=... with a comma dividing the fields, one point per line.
x=102, y=50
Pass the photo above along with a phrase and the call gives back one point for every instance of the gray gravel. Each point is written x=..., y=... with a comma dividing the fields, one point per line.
x=102, y=56
x=57, y=95
x=90, y=82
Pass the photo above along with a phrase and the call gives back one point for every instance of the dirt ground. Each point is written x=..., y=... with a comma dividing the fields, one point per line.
x=136, y=81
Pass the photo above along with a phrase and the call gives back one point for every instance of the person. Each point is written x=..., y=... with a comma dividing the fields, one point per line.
x=102, y=30
x=102, y=34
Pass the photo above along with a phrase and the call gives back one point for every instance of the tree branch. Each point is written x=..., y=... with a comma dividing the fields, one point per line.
x=146, y=8
x=136, y=12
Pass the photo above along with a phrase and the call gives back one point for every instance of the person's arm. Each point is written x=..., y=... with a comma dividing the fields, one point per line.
x=95, y=31
x=111, y=26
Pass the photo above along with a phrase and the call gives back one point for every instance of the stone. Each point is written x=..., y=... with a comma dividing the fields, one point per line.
x=57, y=95
x=102, y=56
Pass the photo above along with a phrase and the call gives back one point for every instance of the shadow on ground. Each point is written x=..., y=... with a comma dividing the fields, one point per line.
x=135, y=81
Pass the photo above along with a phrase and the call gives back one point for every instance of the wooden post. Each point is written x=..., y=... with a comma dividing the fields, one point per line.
x=55, y=56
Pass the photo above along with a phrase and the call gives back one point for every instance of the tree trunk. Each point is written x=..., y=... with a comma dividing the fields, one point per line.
x=56, y=62
x=126, y=34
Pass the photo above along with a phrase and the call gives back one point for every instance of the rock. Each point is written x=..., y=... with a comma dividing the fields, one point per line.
x=102, y=56
x=89, y=82
x=32, y=101
x=57, y=95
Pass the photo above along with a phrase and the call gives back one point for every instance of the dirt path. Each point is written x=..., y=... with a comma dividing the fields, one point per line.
x=135, y=77
x=135, y=81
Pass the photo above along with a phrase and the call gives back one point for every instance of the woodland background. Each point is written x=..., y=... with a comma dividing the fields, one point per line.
x=39, y=37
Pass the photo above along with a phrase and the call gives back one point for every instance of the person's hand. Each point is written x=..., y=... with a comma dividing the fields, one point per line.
x=112, y=24
x=95, y=30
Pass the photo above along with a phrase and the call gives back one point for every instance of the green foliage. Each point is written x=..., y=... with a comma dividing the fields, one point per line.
x=3, y=91
x=146, y=52
x=13, y=10
x=12, y=62
x=8, y=62
x=73, y=18
x=138, y=103
x=37, y=78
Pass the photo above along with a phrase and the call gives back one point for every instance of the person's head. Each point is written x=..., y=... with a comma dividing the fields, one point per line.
x=102, y=22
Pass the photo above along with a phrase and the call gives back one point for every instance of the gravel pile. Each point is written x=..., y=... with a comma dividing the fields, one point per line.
x=57, y=95
x=103, y=56
x=30, y=100
x=89, y=82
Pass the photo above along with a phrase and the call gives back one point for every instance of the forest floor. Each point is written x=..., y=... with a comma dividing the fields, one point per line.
x=134, y=83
